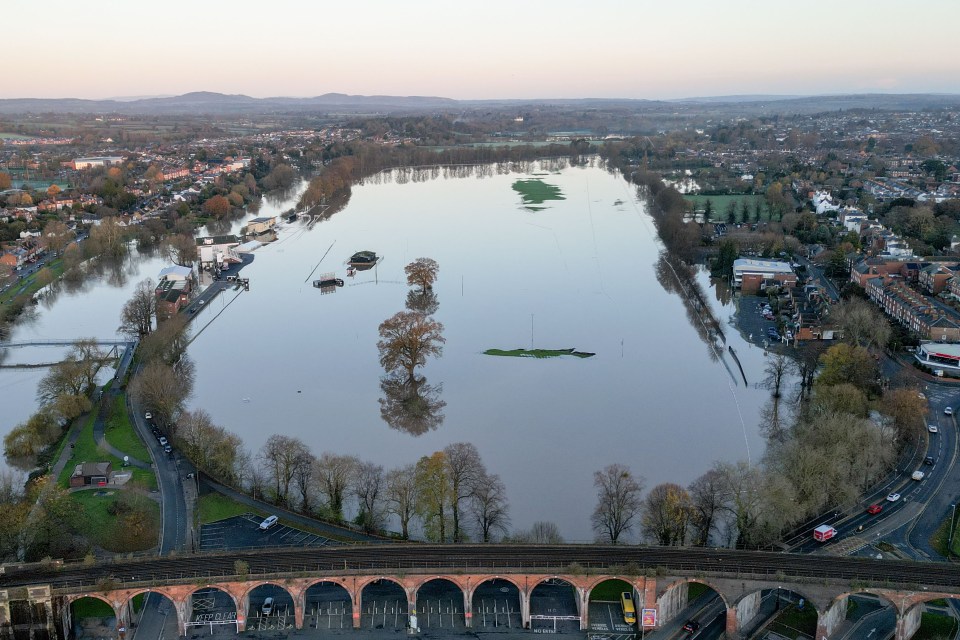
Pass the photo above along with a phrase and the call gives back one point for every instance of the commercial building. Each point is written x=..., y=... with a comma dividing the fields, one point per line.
x=750, y=274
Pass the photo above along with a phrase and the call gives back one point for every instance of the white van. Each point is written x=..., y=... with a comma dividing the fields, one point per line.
x=267, y=607
x=269, y=522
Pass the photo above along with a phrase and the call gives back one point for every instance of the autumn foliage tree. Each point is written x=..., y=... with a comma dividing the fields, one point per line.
x=407, y=339
x=422, y=272
x=217, y=207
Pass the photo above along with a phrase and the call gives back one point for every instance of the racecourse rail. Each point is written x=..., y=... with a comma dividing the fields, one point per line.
x=424, y=558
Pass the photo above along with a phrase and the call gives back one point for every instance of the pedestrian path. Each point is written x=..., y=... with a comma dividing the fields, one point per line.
x=99, y=430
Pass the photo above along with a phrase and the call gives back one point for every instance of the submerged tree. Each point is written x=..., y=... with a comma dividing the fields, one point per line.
x=136, y=318
x=422, y=272
x=406, y=340
x=412, y=406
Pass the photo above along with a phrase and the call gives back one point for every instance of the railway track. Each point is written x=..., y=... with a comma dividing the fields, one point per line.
x=402, y=558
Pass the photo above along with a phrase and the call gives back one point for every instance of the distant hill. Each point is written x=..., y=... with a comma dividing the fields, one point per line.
x=207, y=102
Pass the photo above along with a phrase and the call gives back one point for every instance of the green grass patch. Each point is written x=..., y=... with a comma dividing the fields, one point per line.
x=793, y=622
x=720, y=204
x=935, y=625
x=121, y=433
x=610, y=590
x=30, y=285
x=86, y=450
x=91, y=608
x=216, y=506
x=538, y=353
x=536, y=192
x=118, y=532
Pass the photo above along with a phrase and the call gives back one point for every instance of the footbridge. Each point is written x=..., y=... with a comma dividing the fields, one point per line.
x=222, y=588
x=61, y=343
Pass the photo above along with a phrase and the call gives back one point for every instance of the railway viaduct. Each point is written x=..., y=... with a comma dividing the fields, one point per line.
x=658, y=576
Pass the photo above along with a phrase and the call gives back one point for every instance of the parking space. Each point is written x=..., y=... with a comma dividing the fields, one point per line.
x=607, y=617
x=553, y=608
x=243, y=532
x=496, y=605
x=384, y=606
x=327, y=607
x=757, y=328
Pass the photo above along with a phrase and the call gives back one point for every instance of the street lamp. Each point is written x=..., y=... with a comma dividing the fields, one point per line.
x=778, y=598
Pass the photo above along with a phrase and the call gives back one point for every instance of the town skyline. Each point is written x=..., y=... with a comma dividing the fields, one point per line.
x=535, y=50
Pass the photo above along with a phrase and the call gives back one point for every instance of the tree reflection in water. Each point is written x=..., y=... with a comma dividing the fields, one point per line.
x=411, y=405
x=675, y=276
x=424, y=302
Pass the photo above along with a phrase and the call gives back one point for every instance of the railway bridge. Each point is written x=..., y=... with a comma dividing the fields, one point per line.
x=207, y=589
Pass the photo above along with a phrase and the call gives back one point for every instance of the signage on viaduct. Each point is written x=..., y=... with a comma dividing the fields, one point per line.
x=659, y=578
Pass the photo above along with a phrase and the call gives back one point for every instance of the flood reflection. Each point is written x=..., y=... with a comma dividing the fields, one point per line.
x=677, y=277
x=424, y=302
x=411, y=405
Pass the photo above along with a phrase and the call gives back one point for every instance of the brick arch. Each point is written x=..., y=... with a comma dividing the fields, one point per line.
x=506, y=578
x=253, y=585
x=712, y=587
x=219, y=587
x=590, y=585
x=306, y=584
x=810, y=602
x=459, y=581
x=102, y=598
x=883, y=595
x=368, y=580
x=133, y=593
x=923, y=598
x=570, y=580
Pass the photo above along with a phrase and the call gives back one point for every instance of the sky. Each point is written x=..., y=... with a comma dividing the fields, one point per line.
x=491, y=49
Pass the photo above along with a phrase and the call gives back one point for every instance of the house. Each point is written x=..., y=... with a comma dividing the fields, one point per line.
x=933, y=278
x=95, y=474
x=260, y=225
x=176, y=272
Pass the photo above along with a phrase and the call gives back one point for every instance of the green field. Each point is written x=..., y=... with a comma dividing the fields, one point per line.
x=29, y=284
x=538, y=353
x=108, y=531
x=13, y=136
x=121, y=434
x=91, y=608
x=86, y=450
x=216, y=506
x=720, y=204
x=934, y=625
x=535, y=192
x=793, y=622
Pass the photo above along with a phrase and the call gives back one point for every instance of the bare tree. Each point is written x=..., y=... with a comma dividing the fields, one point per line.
x=333, y=475
x=464, y=469
x=776, y=370
x=76, y=375
x=407, y=339
x=488, y=504
x=666, y=514
x=56, y=236
x=136, y=318
x=401, y=496
x=163, y=390
x=304, y=479
x=706, y=502
x=540, y=533
x=422, y=272
x=182, y=249
x=212, y=448
x=282, y=455
x=862, y=323
x=618, y=501
x=368, y=487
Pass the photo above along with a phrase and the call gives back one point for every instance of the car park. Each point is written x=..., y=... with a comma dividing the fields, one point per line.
x=874, y=509
x=932, y=428
x=893, y=497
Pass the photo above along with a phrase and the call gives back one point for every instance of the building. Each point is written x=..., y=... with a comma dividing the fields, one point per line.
x=915, y=311
x=176, y=272
x=95, y=474
x=933, y=278
x=937, y=355
x=171, y=295
x=260, y=225
x=750, y=274
x=87, y=163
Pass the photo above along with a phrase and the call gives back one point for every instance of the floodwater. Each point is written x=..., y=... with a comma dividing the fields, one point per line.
x=581, y=272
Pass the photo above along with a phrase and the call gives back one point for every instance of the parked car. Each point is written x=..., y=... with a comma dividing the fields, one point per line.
x=948, y=411
x=267, y=607
x=928, y=460
x=268, y=523
x=874, y=509
x=148, y=415
x=163, y=441
x=691, y=626
x=167, y=449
